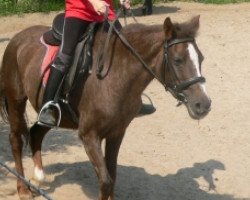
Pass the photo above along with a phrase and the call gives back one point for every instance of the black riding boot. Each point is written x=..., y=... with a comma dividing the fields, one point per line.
x=147, y=7
x=50, y=112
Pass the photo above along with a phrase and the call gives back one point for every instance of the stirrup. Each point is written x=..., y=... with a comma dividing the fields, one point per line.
x=46, y=106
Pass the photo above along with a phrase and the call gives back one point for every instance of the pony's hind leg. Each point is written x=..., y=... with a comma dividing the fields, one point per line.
x=18, y=127
x=37, y=134
x=14, y=101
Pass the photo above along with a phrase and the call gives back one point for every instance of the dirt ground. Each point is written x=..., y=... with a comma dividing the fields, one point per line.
x=166, y=155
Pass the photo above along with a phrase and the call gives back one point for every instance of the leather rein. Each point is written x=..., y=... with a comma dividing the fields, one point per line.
x=175, y=89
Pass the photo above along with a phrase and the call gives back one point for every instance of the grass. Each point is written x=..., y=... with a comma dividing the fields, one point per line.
x=9, y=7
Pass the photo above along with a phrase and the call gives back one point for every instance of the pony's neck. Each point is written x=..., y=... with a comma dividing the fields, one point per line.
x=148, y=43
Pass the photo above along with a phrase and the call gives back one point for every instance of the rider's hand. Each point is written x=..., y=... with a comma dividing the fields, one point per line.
x=125, y=3
x=99, y=6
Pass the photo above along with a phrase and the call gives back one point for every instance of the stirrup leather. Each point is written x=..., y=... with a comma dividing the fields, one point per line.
x=47, y=105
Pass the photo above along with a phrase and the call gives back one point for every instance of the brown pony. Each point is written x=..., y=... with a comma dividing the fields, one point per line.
x=105, y=107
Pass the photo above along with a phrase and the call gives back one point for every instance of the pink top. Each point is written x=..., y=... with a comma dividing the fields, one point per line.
x=83, y=9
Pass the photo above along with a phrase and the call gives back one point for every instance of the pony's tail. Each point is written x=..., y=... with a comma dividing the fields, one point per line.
x=3, y=102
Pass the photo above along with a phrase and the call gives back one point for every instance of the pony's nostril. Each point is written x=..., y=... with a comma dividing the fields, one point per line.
x=201, y=108
x=198, y=106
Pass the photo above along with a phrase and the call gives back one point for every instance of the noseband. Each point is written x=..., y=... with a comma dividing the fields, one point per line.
x=177, y=89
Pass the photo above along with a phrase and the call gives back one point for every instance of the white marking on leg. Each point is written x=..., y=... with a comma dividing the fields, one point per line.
x=195, y=59
x=39, y=175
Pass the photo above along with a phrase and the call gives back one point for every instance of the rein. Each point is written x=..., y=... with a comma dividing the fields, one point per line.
x=175, y=89
x=101, y=57
x=103, y=50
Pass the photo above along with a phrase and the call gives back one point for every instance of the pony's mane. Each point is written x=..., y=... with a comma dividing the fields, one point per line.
x=136, y=33
x=181, y=30
x=135, y=28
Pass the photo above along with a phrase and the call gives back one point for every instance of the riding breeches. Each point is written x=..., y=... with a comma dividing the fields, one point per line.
x=73, y=29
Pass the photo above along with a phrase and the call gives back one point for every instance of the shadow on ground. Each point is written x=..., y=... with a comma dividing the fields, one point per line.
x=135, y=183
x=56, y=140
x=132, y=182
x=4, y=39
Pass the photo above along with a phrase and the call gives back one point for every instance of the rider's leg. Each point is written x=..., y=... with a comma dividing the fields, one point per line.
x=49, y=114
x=73, y=29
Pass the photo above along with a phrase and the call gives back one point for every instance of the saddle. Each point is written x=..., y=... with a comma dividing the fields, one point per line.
x=82, y=61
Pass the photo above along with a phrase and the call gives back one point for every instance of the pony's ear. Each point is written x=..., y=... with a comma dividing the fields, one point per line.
x=168, y=28
x=195, y=24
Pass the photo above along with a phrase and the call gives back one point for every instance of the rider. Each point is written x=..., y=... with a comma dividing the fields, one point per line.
x=78, y=15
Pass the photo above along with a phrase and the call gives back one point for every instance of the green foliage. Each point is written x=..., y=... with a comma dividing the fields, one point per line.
x=8, y=7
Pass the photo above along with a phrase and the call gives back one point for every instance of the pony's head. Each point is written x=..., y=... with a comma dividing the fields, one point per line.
x=182, y=67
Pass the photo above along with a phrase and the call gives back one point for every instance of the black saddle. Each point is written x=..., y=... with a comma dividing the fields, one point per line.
x=54, y=35
x=82, y=61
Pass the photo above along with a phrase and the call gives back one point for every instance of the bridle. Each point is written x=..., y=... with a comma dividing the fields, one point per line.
x=177, y=89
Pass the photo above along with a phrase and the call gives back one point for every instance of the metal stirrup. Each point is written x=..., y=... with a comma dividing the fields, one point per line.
x=47, y=105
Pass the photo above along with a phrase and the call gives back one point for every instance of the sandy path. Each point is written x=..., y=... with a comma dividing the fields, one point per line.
x=167, y=155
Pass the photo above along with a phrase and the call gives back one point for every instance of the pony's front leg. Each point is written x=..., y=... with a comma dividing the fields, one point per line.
x=111, y=153
x=92, y=145
x=37, y=134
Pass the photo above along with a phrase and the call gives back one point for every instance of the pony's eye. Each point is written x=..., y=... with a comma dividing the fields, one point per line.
x=178, y=61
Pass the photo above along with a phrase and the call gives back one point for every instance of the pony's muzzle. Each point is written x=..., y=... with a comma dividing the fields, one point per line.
x=200, y=109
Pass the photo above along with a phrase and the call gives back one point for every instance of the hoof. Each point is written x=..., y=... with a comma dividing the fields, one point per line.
x=22, y=197
x=44, y=184
x=25, y=195
x=36, y=182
